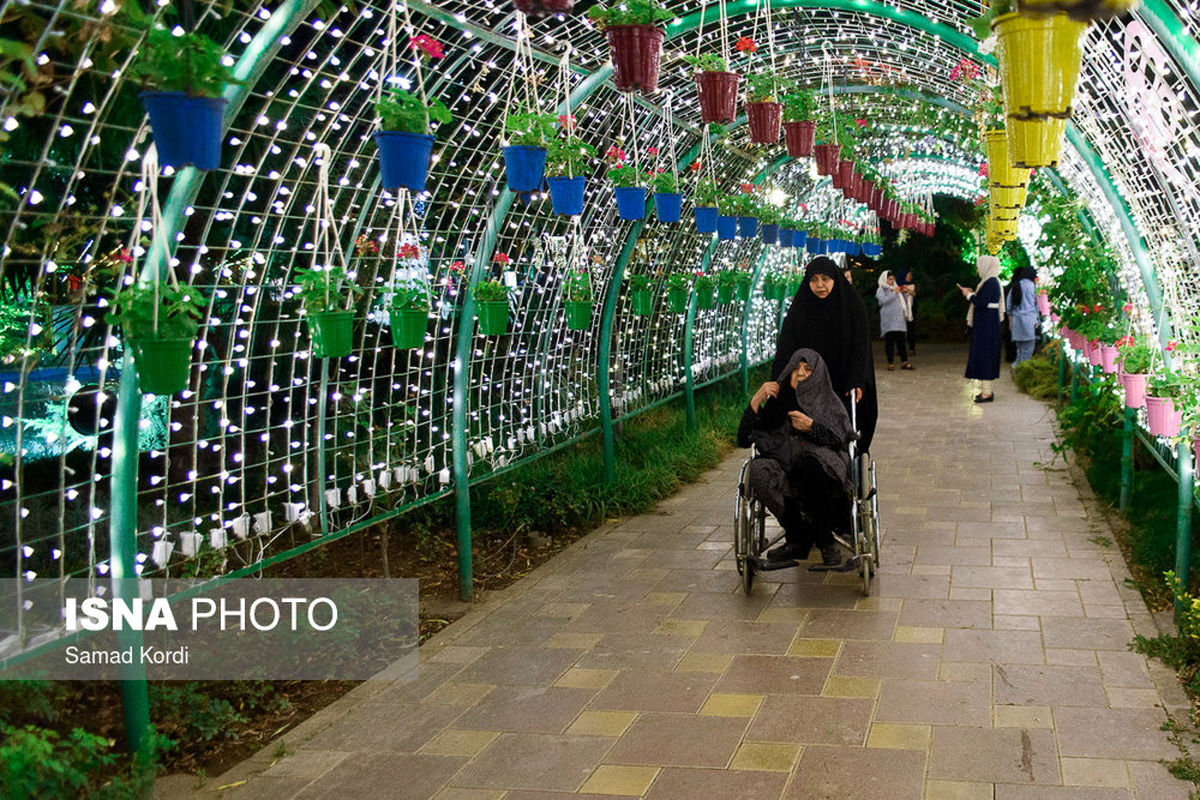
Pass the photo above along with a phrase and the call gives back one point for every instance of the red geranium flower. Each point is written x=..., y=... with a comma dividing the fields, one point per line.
x=429, y=46
x=747, y=188
x=567, y=121
x=746, y=45
x=1098, y=308
x=653, y=151
x=1127, y=307
x=695, y=167
x=502, y=259
x=125, y=256
x=1171, y=345
x=458, y=268
x=407, y=251
x=615, y=153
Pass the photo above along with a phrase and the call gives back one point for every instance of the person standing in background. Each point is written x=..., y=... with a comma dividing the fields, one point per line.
x=891, y=319
x=910, y=295
x=983, y=318
x=1022, y=312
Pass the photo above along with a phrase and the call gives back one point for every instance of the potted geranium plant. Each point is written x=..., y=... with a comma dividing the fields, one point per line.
x=635, y=41
x=668, y=202
x=727, y=221
x=706, y=289
x=404, y=140
x=544, y=8
x=763, y=112
x=743, y=280
x=326, y=294
x=677, y=292
x=627, y=184
x=825, y=151
x=716, y=88
x=186, y=78
x=705, y=205
x=726, y=281
x=578, y=298
x=528, y=132
x=566, y=157
x=408, y=313
x=769, y=217
x=1136, y=354
x=747, y=212
x=641, y=292
x=159, y=323
x=799, y=128
x=491, y=306
x=1164, y=416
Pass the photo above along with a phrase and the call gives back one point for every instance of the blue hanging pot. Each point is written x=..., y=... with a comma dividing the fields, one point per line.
x=747, y=227
x=566, y=195
x=816, y=246
x=668, y=206
x=524, y=167
x=787, y=237
x=404, y=159
x=706, y=219
x=631, y=202
x=799, y=238
x=726, y=227
x=769, y=234
x=187, y=129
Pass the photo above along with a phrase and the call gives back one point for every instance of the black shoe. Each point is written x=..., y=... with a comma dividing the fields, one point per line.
x=789, y=552
x=979, y=398
x=831, y=558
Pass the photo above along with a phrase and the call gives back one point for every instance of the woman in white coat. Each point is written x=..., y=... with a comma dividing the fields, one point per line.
x=892, y=323
x=1022, y=312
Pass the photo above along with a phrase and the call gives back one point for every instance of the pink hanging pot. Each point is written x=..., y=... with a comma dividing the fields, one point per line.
x=1108, y=358
x=1135, y=389
x=1161, y=416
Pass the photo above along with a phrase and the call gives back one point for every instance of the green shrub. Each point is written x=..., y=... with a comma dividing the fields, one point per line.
x=37, y=762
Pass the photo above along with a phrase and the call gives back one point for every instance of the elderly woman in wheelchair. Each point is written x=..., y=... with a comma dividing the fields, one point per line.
x=801, y=471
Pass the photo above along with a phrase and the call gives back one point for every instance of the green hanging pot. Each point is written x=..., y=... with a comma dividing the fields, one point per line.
x=643, y=303
x=331, y=333
x=706, y=298
x=743, y=291
x=677, y=300
x=579, y=315
x=163, y=365
x=408, y=327
x=790, y=289
x=493, y=316
x=725, y=293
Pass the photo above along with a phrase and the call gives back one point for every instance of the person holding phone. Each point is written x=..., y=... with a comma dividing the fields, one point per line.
x=983, y=319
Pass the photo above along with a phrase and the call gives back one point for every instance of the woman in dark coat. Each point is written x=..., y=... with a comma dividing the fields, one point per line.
x=828, y=316
x=802, y=469
x=983, y=318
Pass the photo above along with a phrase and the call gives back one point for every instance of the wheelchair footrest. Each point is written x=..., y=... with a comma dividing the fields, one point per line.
x=849, y=565
x=763, y=564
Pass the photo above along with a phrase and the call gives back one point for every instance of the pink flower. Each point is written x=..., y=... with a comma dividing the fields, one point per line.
x=1127, y=307
x=458, y=268
x=125, y=256
x=746, y=45
x=567, y=121
x=407, y=251
x=1171, y=346
x=615, y=153
x=747, y=188
x=429, y=46
x=653, y=151
x=862, y=123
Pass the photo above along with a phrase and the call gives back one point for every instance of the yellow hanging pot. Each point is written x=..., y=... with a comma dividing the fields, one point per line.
x=1086, y=10
x=1039, y=59
x=1035, y=143
x=1000, y=168
x=1011, y=196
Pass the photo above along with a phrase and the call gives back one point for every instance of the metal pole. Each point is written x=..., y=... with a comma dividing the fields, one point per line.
x=762, y=259
x=122, y=535
x=1183, y=517
x=603, y=363
x=1127, y=458
x=689, y=381
x=322, y=417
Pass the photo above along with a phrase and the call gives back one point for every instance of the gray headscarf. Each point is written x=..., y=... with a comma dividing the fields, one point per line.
x=816, y=398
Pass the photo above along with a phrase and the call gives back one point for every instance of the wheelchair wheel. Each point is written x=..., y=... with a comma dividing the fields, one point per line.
x=864, y=569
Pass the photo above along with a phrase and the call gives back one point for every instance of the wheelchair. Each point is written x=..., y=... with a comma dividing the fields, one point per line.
x=750, y=541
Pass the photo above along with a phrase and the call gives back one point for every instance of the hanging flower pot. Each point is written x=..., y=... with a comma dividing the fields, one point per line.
x=331, y=332
x=1135, y=389
x=524, y=167
x=792, y=286
x=677, y=300
x=743, y=286
x=717, y=92
x=636, y=53
x=566, y=194
x=826, y=156
x=544, y=8
x=799, y=138
x=846, y=173
x=800, y=239
x=186, y=128
x=163, y=365
x=706, y=299
x=787, y=237
x=408, y=327
x=642, y=302
x=706, y=219
x=1161, y=416
x=769, y=234
x=764, y=119
x=727, y=227
x=1001, y=172
x=725, y=293
x=404, y=159
x=1093, y=353
x=1039, y=58
x=668, y=206
x=816, y=246
x=579, y=315
x=631, y=202
x=1108, y=358
x=493, y=316
x=1035, y=142
x=872, y=250
x=747, y=227
x=1043, y=304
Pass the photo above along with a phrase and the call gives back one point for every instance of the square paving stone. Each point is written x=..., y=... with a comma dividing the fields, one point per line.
x=374, y=728
x=362, y=774
x=775, y=675
x=1087, y=633
x=708, y=606
x=519, y=666
x=529, y=709
x=1038, y=603
x=1006, y=791
x=635, y=651
x=620, y=617
x=1012, y=755
x=688, y=784
x=811, y=720
x=992, y=577
x=1124, y=669
x=807, y=594
x=935, y=703
x=745, y=637
x=888, y=660
x=1036, y=684
x=678, y=692
x=933, y=555
x=534, y=761
x=942, y=613
x=840, y=773
x=836, y=624
x=1009, y=647
x=1129, y=733
x=691, y=580
x=671, y=740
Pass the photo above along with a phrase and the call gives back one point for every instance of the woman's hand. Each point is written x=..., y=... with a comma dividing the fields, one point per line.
x=857, y=394
x=800, y=421
x=768, y=389
x=966, y=292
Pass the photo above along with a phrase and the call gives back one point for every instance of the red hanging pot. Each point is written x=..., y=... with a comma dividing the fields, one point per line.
x=717, y=92
x=764, y=119
x=544, y=8
x=636, y=53
x=846, y=172
x=827, y=158
x=876, y=200
x=799, y=138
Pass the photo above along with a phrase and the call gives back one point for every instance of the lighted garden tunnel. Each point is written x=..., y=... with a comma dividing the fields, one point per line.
x=271, y=451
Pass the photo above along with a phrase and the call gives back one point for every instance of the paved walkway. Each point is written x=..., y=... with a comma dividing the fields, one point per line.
x=991, y=662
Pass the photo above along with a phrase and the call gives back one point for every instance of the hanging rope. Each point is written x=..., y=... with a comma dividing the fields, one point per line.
x=670, y=141
x=323, y=249
x=148, y=196
x=564, y=82
x=827, y=85
x=632, y=119
x=722, y=30
x=522, y=68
